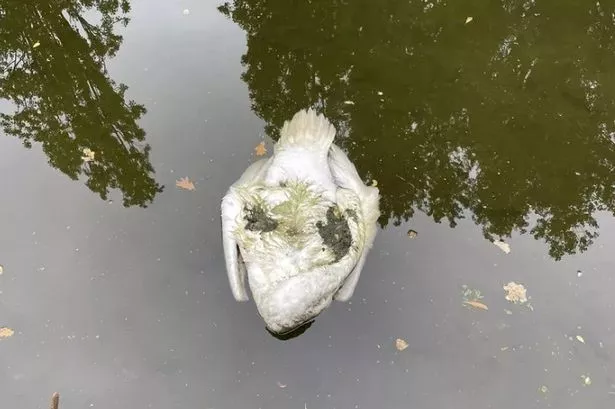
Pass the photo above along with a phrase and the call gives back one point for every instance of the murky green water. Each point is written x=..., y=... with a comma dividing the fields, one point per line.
x=489, y=110
x=497, y=118
x=494, y=111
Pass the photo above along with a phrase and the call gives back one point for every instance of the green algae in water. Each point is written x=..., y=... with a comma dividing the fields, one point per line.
x=336, y=233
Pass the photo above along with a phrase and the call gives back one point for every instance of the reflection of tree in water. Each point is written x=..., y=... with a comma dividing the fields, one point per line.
x=52, y=68
x=507, y=116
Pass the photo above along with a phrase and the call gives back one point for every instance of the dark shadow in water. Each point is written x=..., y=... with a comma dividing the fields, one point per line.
x=507, y=118
x=52, y=69
x=291, y=334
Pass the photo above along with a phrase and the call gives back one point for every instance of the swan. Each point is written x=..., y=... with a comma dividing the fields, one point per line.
x=297, y=226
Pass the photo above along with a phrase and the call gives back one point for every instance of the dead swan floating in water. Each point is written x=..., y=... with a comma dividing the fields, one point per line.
x=303, y=221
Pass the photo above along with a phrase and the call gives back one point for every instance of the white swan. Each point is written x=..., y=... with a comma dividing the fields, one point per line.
x=303, y=221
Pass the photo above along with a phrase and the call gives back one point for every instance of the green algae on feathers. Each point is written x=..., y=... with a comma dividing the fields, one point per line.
x=297, y=219
x=293, y=219
x=301, y=207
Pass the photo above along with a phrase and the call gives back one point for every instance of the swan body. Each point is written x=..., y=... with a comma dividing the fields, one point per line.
x=297, y=226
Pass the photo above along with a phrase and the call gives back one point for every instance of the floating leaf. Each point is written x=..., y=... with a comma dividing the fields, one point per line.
x=515, y=293
x=1, y=269
x=35, y=45
x=281, y=385
x=586, y=380
x=543, y=389
x=469, y=19
x=580, y=339
x=349, y=102
x=505, y=247
x=6, y=332
x=400, y=344
x=412, y=233
x=185, y=183
x=476, y=304
x=260, y=149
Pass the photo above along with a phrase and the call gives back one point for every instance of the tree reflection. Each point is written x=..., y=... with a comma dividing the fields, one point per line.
x=52, y=68
x=507, y=118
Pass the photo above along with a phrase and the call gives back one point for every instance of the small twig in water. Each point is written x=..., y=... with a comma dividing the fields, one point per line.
x=55, y=401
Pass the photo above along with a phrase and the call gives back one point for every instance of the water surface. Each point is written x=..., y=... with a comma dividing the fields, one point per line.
x=479, y=122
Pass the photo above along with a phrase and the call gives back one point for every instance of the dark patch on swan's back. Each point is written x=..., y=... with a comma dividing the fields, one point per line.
x=257, y=220
x=336, y=233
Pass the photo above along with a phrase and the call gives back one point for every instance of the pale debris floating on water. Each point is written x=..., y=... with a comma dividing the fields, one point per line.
x=186, y=12
x=1, y=269
x=88, y=155
x=472, y=296
x=55, y=401
x=515, y=293
x=6, y=332
x=469, y=19
x=185, y=183
x=505, y=247
x=260, y=149
x=412, y=233
x=476, y=304
x=580, y=339
x=400, y=344
x=586, y=380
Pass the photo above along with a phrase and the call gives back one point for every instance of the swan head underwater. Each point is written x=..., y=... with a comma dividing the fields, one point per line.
x=297, y=226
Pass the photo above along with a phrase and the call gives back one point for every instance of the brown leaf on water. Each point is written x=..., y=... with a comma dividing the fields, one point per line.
x=185, y=183
x=6, y=332
x=260, y=149
x=400, y=344
x=476, y=304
